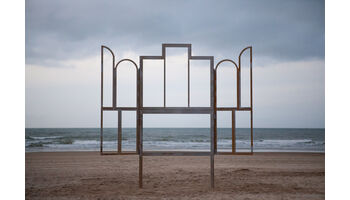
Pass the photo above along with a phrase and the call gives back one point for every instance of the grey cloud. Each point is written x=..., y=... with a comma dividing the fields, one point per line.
x=281, y=30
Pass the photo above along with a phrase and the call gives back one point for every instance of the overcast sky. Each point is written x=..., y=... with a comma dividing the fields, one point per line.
x=63, y=41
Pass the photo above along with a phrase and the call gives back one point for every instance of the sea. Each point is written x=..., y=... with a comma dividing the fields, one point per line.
x=184, y=139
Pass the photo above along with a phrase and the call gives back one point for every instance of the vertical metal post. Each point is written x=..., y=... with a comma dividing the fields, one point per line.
x=138, y=113
x=164, y=78
x=212, y=122
x=215, y=113
x=141, y=152
x=140, y=170
x=188, y=78
x=251, y=99
x=139, y=126
x=141, y=122
x=101, y=121
x=212, y=117
x=114, y=88
x=239, y=85
x=119, y=131
x=233, y=127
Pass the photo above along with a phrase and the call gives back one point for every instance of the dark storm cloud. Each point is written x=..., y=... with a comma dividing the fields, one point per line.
x=281, y=30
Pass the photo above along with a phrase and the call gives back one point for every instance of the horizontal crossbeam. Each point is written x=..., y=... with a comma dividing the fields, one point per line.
x=177, y=110
x=175, y=153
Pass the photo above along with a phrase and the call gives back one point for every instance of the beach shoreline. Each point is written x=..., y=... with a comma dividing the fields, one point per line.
x=88, y=175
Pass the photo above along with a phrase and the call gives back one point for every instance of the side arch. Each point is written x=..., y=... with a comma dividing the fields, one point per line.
x=113, y=72
x=101, y=114
x=251, y=90
x=250, y=69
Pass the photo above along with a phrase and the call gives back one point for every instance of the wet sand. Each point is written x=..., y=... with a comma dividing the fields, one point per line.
x=88, y=175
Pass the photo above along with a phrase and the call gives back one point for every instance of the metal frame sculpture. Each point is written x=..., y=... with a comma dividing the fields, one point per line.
x=211, y=110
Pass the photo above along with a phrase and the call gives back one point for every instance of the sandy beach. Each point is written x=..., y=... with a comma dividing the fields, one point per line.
x=87, y=175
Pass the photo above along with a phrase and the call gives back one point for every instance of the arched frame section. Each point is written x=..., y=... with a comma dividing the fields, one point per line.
x=115, y=70
x=113, y=63
x=101, y=121
x=250, y=69
x=238, y=81
x=251, y=90
x=215, y=104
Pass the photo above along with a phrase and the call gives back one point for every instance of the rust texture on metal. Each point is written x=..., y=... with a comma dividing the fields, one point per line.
x=210, y=110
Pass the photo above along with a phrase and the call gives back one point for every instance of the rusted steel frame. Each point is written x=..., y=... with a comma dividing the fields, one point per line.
x=251, y=92
x=175, y=153
x=120, y=131
x=233, y=129
x=207, y=110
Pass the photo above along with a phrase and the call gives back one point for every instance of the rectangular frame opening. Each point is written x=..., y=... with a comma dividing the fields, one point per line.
x=243, y=131
x=183, y=132
x=176, y=73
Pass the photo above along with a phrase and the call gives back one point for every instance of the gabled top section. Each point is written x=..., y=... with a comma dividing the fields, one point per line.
x=178, y=45
x=188, y=46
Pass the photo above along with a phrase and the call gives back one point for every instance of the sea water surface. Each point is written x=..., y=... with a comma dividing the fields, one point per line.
x=197, y=139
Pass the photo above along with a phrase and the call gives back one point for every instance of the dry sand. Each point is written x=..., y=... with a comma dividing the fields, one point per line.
x=87, y=175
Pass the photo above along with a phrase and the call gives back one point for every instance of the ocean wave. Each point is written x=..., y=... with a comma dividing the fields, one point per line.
x=66, y=141
x=29, y=138
x=41, y=143
x=89, y=142
x=37, y=144
x=44, y=138
x=286, y=141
